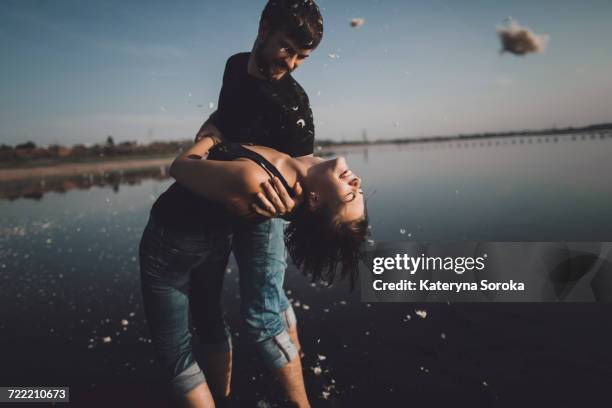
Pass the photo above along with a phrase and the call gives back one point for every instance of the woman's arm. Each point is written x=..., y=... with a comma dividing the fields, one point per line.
x=231, y=183
x=220, y=181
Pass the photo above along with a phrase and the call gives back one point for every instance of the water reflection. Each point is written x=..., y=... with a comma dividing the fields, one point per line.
x=69, y=275
x=35, y=189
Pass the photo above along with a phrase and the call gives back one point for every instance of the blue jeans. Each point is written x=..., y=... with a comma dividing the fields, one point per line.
x=184, y=272
x=262, y=260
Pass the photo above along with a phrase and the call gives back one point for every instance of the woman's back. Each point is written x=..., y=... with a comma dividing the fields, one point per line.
x=181, y=209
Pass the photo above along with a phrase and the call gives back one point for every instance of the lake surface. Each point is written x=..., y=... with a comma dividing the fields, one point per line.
x=69, y=278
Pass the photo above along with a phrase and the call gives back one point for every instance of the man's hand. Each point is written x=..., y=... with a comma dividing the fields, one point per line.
x=275, y=201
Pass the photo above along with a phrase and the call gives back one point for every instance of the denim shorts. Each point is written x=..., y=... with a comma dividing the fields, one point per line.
x=183, y=272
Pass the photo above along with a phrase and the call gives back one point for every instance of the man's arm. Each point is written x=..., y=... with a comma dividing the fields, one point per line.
x=209, y=128
x=213, y=123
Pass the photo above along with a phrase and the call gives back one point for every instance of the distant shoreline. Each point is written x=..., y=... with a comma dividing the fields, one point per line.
x=600, y=128
x=43, y=169
x=78, y=169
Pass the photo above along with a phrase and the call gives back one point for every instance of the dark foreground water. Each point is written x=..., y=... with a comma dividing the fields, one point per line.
x=71, y=313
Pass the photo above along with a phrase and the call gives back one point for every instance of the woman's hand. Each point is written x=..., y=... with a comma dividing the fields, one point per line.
x=275, y=201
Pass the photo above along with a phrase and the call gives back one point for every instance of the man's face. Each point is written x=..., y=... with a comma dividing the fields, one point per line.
x=277, y=55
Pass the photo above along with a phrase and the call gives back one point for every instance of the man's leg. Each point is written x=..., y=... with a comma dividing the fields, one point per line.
x=260, y=252
x=214, y=347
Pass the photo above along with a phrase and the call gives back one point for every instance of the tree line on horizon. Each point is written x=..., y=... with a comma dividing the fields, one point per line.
x=30, y=152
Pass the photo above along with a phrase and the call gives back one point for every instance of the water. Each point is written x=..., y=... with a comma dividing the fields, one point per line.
x=69, y=277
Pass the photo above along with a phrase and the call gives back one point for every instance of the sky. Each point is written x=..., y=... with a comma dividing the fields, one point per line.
x=75, y=72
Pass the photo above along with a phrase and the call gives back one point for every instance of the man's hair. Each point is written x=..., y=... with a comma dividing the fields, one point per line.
x=300, y=19
x=318, y=243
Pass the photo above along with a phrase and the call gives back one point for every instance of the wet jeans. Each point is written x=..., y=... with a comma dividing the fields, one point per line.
x=184, y=272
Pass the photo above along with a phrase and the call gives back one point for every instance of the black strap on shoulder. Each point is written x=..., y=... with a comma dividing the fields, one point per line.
x=238, y=150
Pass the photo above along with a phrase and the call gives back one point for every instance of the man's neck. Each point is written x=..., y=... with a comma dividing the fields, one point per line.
x=252, y=68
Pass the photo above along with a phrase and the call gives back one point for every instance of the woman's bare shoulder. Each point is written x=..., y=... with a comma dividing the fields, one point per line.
x=250, y=177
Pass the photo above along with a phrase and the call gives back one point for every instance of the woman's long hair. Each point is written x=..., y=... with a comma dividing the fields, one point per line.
x=318, y=243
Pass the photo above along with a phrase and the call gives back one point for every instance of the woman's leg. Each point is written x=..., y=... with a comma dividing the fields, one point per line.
x=165, y=283
x=214, y=349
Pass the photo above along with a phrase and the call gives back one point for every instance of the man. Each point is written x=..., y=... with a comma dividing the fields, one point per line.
x=261, y=103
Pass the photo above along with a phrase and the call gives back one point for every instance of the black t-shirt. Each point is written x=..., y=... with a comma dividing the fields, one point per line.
x=276, y=114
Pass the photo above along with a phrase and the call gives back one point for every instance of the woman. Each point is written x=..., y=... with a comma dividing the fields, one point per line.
x=327, y=229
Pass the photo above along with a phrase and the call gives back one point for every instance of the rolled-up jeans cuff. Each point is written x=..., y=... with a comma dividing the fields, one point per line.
x=277, y=351
x=289, y=317
x=188, y=379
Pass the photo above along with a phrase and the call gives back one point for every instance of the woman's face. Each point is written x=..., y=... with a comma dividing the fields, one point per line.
x=335, y=184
